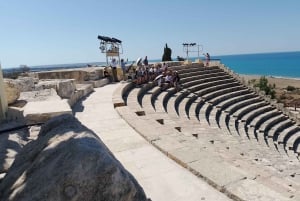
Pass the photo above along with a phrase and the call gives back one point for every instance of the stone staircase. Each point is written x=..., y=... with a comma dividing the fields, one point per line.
x=220, y=130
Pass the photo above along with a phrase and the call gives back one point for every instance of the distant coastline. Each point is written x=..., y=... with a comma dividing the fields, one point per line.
x=276, y=64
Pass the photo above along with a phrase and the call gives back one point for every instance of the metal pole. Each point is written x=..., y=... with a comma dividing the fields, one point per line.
x=3, y=100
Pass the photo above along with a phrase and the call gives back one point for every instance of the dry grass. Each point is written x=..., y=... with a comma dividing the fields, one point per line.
x=281, y=84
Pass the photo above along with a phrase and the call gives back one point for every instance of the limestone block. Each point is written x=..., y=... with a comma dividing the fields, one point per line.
x=65, y=88
x=86, y=88
x=98, y=83
x=40, y=95
x=42, y=111
x=68, y=162
x=76, y=96
x=78, y=75
x=15, y=114
x=11, y=90
x=46, y=84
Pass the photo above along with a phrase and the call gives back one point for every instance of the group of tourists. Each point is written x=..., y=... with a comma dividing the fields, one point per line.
x=144, y=73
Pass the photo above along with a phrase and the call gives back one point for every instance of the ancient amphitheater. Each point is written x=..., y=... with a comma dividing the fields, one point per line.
x=223, y=131
x=232, y=136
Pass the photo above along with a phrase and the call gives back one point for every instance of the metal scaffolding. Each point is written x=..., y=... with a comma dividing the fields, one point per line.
x=111, y=47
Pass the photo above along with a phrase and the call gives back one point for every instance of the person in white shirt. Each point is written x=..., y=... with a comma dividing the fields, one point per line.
x=114, y=69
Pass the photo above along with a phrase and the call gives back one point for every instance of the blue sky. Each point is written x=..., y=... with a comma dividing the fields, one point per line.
x=36, y=32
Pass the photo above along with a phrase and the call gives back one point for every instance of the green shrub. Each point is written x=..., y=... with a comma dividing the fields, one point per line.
x=290, y=88
x=264, y=86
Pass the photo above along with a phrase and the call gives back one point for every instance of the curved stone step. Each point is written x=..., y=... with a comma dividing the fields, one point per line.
x=154, y=96
x=228, y=94
x=221, y=91
x=200, y=76
x=207, y=90
x=259, y=120
x=243, y=111
x=170, y=106
x=235, y=107
x=199, y=72
x=192, y=114
x=284, y=137
x=171, y=91
x=296, y=147
x=147, y=98
x=188, y=69
x=132, y=101
x=220, y=107
x=243, y=121
x=158, y=103
x=199, y=87
x=247, y=119
x=206, y=79
x=230, y=102
x=144, y=89
x=292, y=142
x=262, y=131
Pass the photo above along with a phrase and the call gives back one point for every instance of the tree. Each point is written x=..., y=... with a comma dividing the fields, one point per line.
x=167, y=54
x=263, y=85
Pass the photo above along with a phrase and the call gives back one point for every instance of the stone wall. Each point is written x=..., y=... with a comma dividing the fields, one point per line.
x=79, y=75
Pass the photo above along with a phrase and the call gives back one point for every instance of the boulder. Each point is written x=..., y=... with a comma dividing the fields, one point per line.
x=25, y=83
x=68, y=162
x=11, y=90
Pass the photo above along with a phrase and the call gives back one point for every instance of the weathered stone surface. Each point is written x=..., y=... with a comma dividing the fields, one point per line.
x=25, y=83
x=11, y=143
x=78, y=75
x=11, y=90
x=40, y=95
x=68, y=162
x=42, y=111
x=65, y=88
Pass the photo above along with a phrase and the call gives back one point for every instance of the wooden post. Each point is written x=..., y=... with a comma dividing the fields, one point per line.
x=3, y=100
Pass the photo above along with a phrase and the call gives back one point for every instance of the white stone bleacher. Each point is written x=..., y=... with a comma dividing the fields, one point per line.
x=192, y=151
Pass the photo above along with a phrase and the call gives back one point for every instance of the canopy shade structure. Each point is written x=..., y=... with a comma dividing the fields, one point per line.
x=108, y=39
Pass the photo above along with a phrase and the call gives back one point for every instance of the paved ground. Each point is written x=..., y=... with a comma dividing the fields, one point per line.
x=161, y=178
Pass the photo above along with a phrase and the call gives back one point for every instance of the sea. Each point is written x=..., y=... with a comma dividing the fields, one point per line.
x=279, y=64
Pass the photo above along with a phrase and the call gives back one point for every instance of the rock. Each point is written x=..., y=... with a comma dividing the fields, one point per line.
x=68, y=162
x=11, y=90
x=25, y=83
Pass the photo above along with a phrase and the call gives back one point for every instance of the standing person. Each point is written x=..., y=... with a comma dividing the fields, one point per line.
x=176, y=80
x=123, y=66
x=207, y=57
x=114, y=69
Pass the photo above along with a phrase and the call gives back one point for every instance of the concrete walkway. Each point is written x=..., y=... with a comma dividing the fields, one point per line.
x=161, y=178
